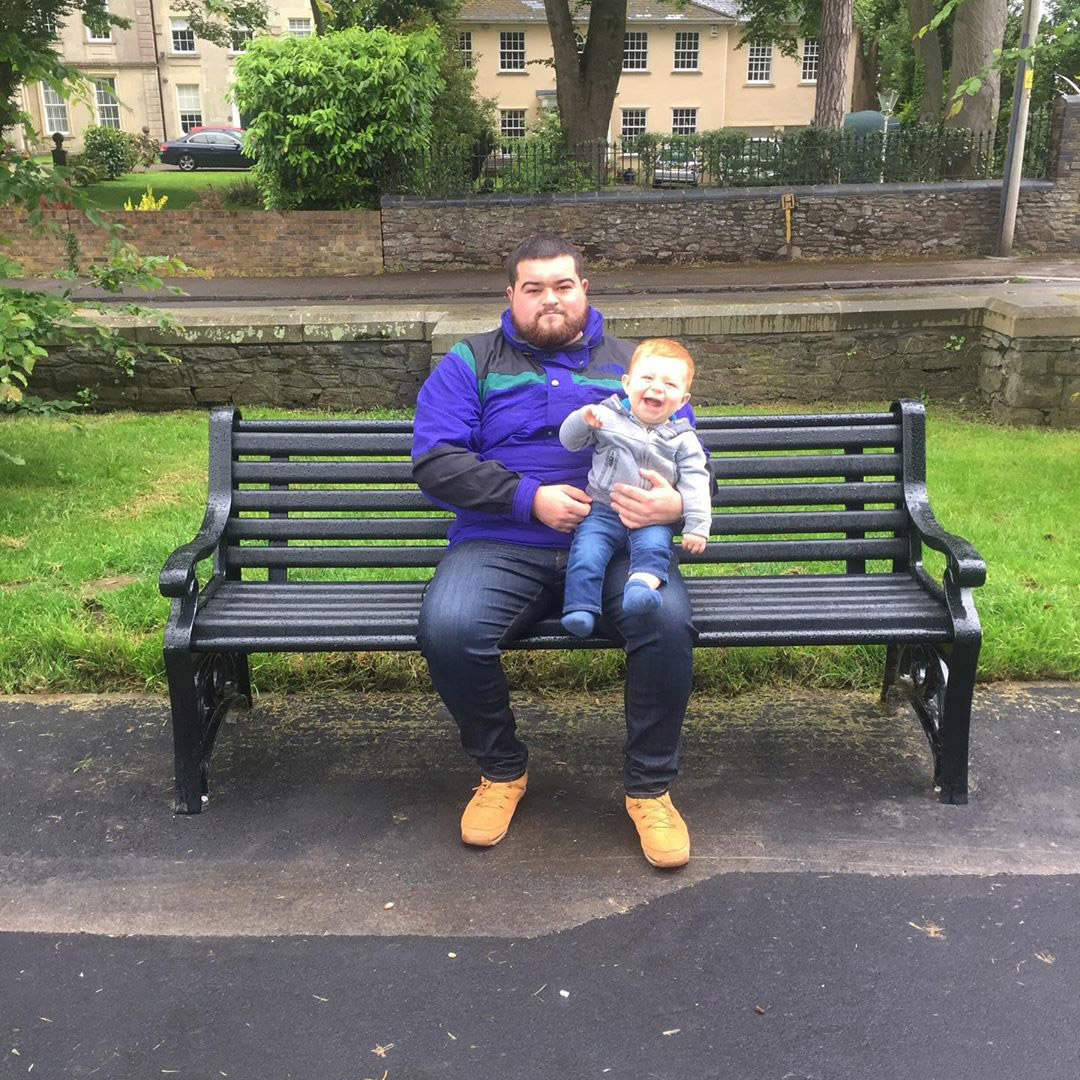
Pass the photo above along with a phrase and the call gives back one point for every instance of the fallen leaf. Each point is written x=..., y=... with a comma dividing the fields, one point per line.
x=930, y=929
x=381, y=1050
x=388, y=905
x=1045, y=957
x=13, y=541
x=759, y=1009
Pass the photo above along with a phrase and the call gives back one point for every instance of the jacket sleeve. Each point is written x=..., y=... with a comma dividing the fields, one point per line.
x=446, y=465
x=575, y=433
x=694, y=484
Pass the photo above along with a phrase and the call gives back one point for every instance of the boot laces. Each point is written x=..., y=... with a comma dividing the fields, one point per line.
x=656, y=815
x=492, y=794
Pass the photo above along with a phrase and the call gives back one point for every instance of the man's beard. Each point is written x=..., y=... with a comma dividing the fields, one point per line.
x=551, y=337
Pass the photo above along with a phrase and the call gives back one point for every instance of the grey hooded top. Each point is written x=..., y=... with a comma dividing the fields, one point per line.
x=624, y=445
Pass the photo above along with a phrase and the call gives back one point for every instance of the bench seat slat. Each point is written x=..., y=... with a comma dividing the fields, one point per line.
x=715, y=423
x=339, y=528
x=809, y=522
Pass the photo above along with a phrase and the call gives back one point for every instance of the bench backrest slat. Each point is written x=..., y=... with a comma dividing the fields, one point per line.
x=339, y=493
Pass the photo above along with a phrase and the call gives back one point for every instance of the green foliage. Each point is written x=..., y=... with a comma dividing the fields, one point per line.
x=85, y=171
x=392, y=14
x=548, y=164
x=333, y=112
x=215, y=20
x=144, y=148
x=109, y=150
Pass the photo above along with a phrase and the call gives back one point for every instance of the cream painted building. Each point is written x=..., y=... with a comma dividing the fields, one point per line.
x=682, y=70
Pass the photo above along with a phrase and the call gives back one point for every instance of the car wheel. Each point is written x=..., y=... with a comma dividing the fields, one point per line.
x=187, y=162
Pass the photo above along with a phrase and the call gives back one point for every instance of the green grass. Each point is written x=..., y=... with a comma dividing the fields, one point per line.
x=182, y=188
x=86, y=524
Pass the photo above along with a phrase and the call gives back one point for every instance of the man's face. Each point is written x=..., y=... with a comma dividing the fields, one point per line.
x=548, y=301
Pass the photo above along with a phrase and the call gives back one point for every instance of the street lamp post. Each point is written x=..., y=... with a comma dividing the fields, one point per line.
x=887, y=101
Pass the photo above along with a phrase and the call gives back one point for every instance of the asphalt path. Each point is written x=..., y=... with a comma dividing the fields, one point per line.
x=321, y=920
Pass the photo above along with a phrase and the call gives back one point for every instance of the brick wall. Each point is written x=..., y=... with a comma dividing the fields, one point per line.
x=229, y=243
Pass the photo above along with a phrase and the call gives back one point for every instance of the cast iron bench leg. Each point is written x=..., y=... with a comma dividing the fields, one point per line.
x=956, y=723
x=187, y=733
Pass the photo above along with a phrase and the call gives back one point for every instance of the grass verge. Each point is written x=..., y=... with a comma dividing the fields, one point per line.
x=182, y=188
x=86, y=524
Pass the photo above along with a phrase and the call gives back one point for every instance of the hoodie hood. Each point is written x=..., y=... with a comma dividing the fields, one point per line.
x=567, y=355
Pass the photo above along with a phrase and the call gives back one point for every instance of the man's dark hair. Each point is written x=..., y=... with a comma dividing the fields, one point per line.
x=543, y=246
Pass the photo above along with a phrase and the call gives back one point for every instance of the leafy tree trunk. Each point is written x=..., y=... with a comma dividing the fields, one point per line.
x=319, y=17
x=585, y=88
x=928, y=53
x=978, y=29
x=834, y=39
x=864, y=86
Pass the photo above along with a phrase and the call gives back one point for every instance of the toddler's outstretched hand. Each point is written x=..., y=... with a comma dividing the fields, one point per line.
x=591, y=418
x=694, y=544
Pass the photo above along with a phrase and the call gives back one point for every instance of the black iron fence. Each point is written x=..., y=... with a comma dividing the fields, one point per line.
x=902, y=154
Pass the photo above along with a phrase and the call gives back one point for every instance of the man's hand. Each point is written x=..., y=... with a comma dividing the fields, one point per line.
x=591, y=418
x=661, y=505
x=561, y=506
x=694, y=544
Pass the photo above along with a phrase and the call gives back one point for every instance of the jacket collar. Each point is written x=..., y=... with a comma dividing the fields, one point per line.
x=574, y=356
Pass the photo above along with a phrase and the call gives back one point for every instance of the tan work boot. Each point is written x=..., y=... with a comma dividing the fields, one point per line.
x=487, y=817
x=664, y=836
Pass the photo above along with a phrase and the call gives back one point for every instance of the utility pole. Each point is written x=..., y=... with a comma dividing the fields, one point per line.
x=1014, y=152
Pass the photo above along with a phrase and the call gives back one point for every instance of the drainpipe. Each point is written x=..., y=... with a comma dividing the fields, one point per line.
x=157, y=69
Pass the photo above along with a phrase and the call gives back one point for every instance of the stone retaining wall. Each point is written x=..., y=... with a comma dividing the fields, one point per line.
x=228, y=243
x=1020, y=361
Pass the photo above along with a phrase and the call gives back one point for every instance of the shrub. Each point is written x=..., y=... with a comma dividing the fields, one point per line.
x=85, y=171
x=109, y=149
x=148, y=202
x=144, y=148
x=332, y=112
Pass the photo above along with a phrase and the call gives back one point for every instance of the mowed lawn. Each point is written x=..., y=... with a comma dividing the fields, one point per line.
x=86, y=523
x=181, y=187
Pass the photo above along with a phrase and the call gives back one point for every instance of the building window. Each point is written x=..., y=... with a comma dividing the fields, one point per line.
x=633, y=125
x=183, y=37
x=684, y=121
x=810, y=60
x=300, y=27
x=108, y=108
x=512, y=123
x=189, y=106
x=759, y=63
x=52, y=26
x=687, y=46
x=56, y=114
x=239, y=36
x=512, y=51
x=464, y=46
x=98, y=31
x=635, y=55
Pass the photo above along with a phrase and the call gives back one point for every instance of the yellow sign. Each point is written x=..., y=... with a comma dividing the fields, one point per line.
x=1029, y=77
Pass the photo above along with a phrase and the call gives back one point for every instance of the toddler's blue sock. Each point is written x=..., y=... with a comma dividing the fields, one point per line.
x=637, y=597
x=579, y=623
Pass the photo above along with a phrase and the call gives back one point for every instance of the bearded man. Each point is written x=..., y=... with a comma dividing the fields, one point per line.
x=487, y=447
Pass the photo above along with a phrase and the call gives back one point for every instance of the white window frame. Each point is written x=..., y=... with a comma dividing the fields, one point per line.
x=98, y=40
x=811, y=58
x=686, y=50
x=181, y=26
x=644, y=118
x=239, y=35
x=635, y=56
x=514, y=115
x=464, y=44
x=759, y=59
x=58, y=107
x=686, y=124
x=512, y=54
x=189, y=117
x=300, y=27
x=107, y=84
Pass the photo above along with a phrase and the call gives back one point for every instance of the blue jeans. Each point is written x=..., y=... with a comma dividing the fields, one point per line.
x=596, y=541
x=486, y=593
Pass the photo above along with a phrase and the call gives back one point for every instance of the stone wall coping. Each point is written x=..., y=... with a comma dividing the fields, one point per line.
x=283, y=325
x=390, y=202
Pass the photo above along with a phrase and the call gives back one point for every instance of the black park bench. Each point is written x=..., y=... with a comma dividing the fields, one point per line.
x=306, y=517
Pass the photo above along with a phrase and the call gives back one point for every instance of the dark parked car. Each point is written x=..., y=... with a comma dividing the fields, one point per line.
x=208, y=148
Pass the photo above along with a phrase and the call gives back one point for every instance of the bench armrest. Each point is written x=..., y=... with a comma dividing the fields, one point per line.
x=966, y=566
x=178, y=573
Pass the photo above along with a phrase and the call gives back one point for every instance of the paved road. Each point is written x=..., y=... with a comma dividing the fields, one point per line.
x=835, y=922
x=727, y=281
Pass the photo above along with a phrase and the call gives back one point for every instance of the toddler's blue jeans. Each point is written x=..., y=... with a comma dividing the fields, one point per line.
x=596, y=541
